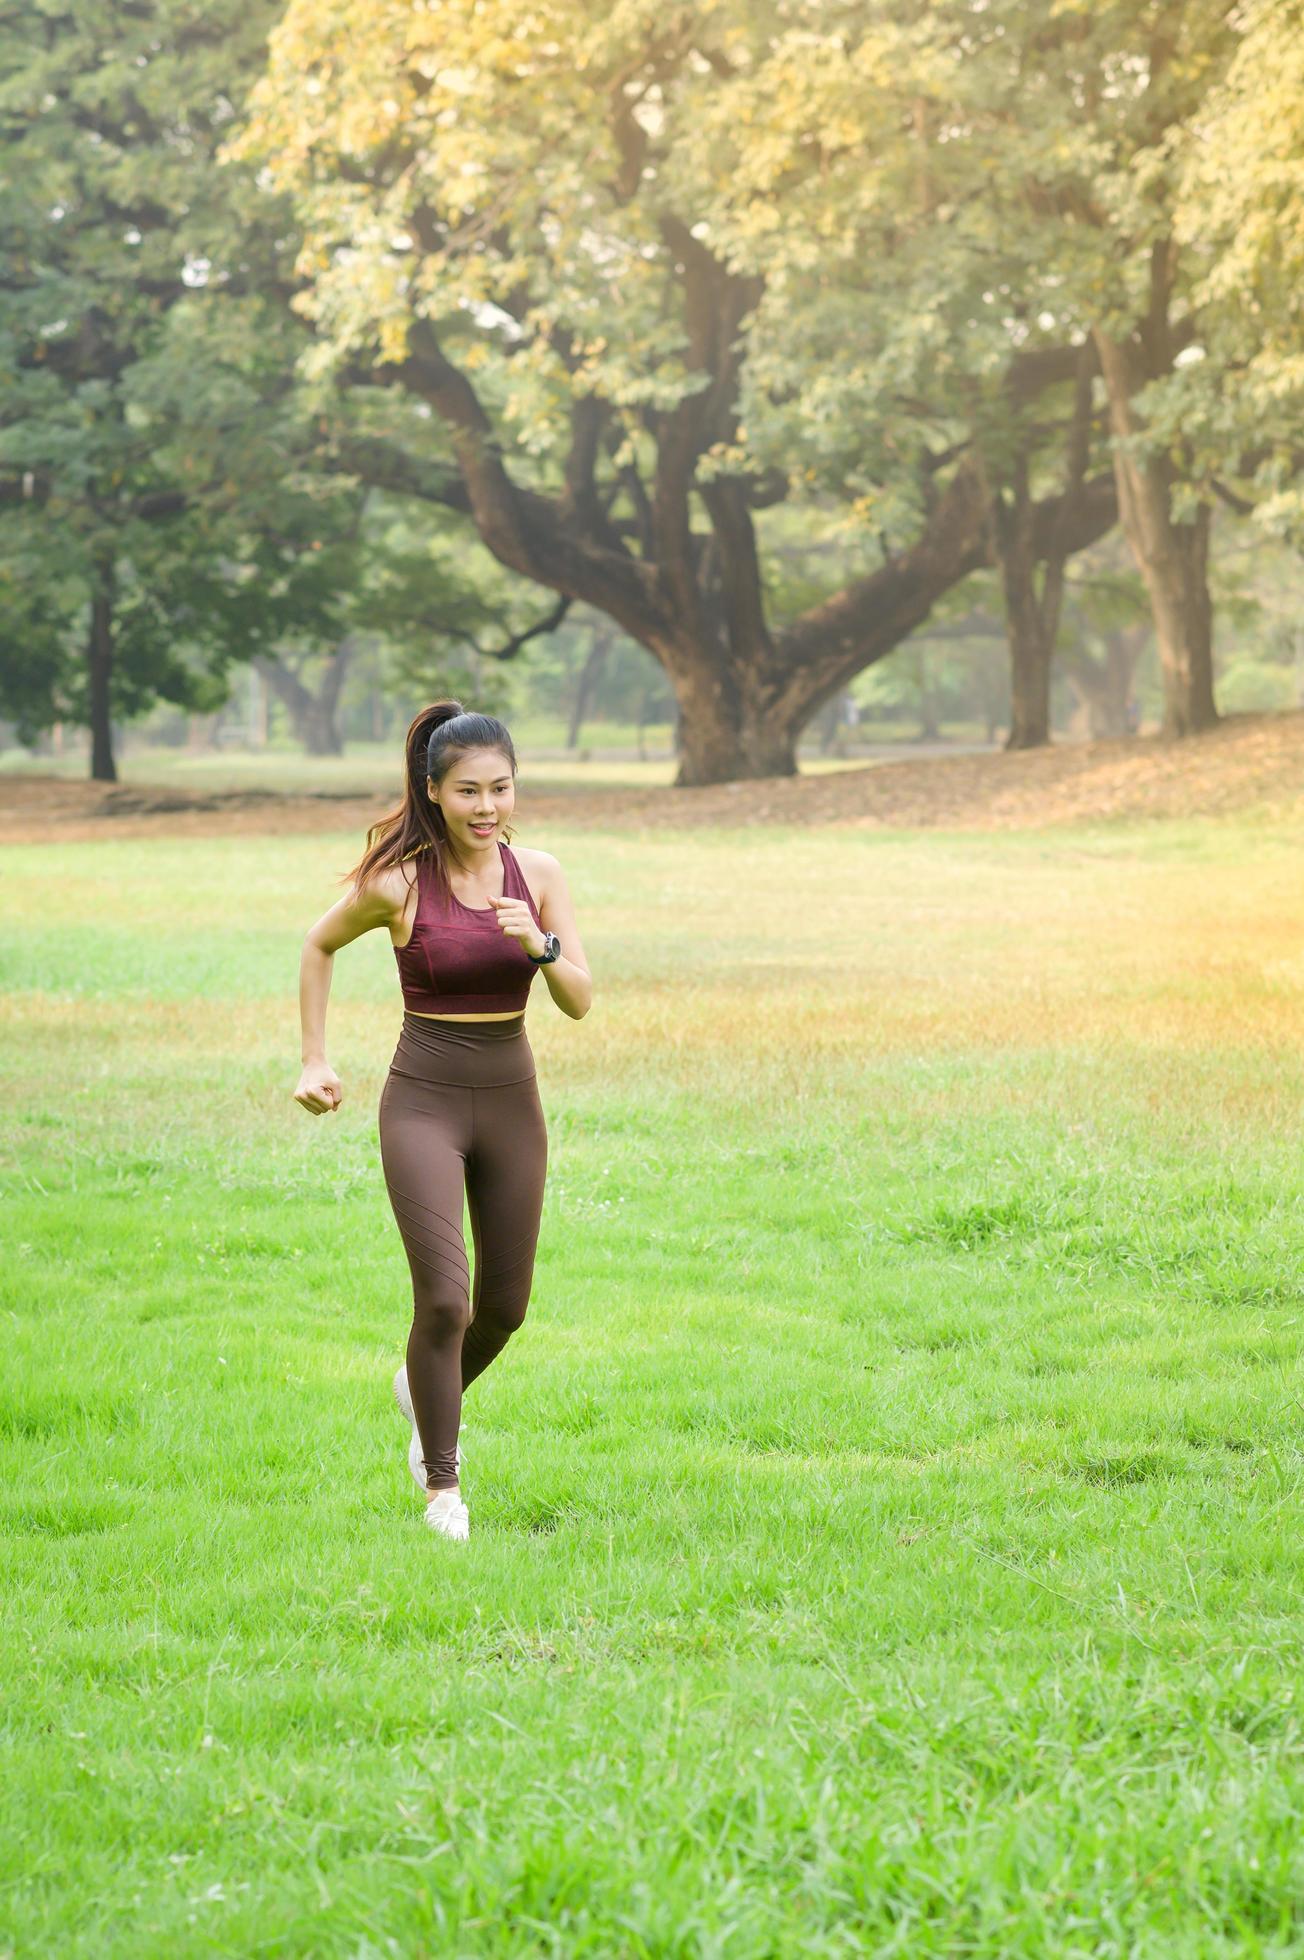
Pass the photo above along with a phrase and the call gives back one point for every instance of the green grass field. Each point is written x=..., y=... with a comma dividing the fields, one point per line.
x=886, y=1528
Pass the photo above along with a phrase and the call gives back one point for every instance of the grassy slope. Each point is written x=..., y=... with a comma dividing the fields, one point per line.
x=886, y=1526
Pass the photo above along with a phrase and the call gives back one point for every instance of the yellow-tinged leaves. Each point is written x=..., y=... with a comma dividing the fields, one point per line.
x=393, y=340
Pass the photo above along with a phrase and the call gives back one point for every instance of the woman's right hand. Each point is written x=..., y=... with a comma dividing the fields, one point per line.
x=319, y=1089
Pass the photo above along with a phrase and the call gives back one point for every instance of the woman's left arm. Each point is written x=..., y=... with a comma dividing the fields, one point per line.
x=568, y=975
x=569, y=981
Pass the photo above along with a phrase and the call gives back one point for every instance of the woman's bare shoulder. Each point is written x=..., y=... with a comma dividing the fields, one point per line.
x=540, y=867
x=391, y=885
x=528, y=854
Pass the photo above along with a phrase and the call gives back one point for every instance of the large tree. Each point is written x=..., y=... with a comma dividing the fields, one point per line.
x=167, y=506
x=1085, y=117
x=1240, y=207
x=1018, y=188
x=528, y=222
x=109, y=119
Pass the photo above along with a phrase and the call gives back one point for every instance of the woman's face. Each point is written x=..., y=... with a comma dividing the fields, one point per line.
x=477, y=797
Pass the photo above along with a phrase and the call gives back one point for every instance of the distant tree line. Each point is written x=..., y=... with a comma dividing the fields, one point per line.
x=771, y=337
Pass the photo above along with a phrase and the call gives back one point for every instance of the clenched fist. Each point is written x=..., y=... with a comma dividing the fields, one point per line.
x=319, y=1089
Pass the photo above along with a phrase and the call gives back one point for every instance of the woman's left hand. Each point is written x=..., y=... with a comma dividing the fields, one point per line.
x=517, y=921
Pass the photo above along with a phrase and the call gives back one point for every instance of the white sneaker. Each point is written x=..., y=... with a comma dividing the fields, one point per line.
x=446, y=1513
x=404, y=1400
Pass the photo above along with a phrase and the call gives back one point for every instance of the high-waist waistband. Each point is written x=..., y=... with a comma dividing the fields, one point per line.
x=423, y=1024
x=472, y=1054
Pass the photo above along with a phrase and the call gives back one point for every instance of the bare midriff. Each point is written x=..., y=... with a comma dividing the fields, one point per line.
x=511, y=1015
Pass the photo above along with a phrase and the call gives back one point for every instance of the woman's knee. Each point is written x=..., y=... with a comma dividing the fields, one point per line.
x=507, y=1313
x=439, y=1312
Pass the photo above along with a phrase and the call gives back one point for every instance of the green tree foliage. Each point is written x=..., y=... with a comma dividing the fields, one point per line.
x=1086, y=114
x=1241, y=208
x=757, y=329
x=543, y=226
x=110, y=212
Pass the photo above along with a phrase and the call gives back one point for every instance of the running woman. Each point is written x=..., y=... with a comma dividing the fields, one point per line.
x=471, y=920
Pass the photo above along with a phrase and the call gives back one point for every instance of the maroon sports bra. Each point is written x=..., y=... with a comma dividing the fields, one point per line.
x=459, y=960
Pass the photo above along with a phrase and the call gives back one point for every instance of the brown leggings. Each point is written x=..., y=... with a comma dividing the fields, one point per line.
x=460, y=1113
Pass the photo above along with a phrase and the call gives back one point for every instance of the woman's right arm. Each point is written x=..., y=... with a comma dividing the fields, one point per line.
x=379, y=903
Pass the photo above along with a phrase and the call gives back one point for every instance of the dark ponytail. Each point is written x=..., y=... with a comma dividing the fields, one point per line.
x=436, y=737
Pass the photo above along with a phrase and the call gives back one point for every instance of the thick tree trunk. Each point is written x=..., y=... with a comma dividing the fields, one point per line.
x=1178, y=583
x=1171, y=557
x=744, y=697
x=1032, y=617
x=1030, y=656
x=726, y=734
x=100, y=661
x=713, y=750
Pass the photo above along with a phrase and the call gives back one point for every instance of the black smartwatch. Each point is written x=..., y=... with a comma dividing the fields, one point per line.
x=551, y=950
